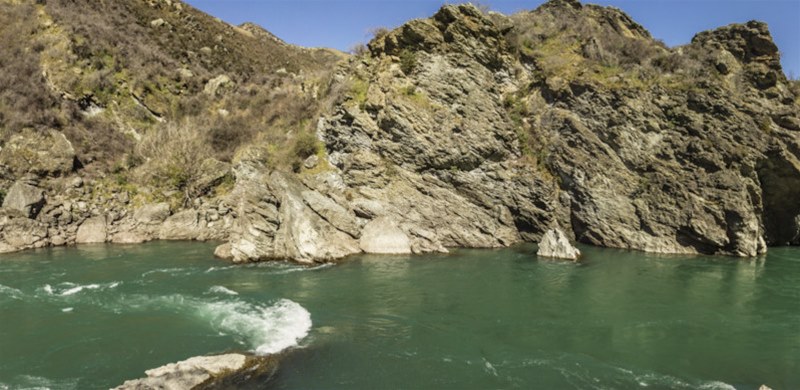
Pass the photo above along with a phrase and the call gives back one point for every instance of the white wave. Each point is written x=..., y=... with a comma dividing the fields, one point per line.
x=266, y=329
x=717, y=385
x=489, y=368
x=276, y=268
x=29, y=382
x=215, y=269
x=164, y=271
x=222, y=290
x=78, y=289
x=67, y=288
x=10, y=292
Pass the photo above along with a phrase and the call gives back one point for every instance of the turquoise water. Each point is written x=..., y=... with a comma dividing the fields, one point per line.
x=91, y=317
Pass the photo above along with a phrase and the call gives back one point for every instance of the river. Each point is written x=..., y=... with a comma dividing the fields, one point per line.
x=93, y=316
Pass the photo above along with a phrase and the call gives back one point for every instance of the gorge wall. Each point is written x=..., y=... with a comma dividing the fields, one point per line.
x=468, y=129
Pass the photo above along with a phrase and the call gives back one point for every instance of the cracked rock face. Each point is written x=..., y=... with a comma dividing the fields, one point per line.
x=206, y=372
x=438, y=154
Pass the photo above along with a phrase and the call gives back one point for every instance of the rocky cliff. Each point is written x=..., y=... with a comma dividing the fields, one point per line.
x=467, y=129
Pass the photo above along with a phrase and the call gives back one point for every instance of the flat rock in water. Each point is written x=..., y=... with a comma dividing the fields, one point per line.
x=555, y=244
x=206, y=372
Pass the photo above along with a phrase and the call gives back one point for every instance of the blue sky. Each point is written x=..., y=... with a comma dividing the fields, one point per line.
x=343, y=23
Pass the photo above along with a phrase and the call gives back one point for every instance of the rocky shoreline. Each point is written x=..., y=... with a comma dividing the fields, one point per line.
x=455, y=131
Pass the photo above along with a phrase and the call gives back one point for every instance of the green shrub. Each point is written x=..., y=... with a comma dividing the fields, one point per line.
x=358, y=91
x=306, y=145
x=408, y=61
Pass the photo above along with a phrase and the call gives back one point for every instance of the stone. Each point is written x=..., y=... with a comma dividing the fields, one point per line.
x=311, y=162
x=223, y=252
x=217, y=85
x=128, y=238
x=152, y=214
x=43, y=153
x=25, y=198
x=332, y=212
x=212, y=173
x=18, y=232
x=276, y=222
x=92, y=231
x=555, y=244
x=185, y=73
x=207, y=372
x=157, y=22
x=382, y=236
x=184, y=225
x=58, y=241
x=75, y=182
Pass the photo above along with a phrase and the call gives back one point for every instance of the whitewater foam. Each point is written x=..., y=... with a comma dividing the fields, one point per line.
x=266, y=329
x=172, y=271
x=11, y=292
x=221, y=290
x=67, y=288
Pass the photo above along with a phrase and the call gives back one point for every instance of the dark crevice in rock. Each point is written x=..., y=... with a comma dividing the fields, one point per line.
x=780, y=185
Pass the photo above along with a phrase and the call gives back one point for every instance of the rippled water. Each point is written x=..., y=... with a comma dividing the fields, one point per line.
x=91, y=317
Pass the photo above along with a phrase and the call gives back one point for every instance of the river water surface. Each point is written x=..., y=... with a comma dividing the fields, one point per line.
x=94, y=316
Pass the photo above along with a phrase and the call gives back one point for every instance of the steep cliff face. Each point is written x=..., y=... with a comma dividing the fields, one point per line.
x=482, y=130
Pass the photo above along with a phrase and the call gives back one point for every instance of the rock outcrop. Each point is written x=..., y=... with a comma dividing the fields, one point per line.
x=207, y=372
x=555, y=244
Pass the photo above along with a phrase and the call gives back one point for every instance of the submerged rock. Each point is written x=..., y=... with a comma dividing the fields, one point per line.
x=555, y=244
x=207, y=372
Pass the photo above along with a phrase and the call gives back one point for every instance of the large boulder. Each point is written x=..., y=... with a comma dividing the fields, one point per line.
x=212, y=173
x=207, y=372
x=92, y=231
x=218, y=85
x=185, y=225
x=151, y=214
x=382, y=235
x=25, y=198
x=38, y=152
x=555, y=244
x=18, y=232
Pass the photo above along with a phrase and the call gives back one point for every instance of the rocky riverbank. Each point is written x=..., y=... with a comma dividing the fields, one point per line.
x=474, y=129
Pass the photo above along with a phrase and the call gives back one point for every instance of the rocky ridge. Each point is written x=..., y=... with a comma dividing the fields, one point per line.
x=483, y=130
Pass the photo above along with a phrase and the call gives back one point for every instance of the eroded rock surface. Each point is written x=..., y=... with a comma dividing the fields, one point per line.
x=206, y=372
x=555, y=244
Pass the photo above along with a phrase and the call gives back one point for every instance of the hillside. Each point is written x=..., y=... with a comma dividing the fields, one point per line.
x=462, y=130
